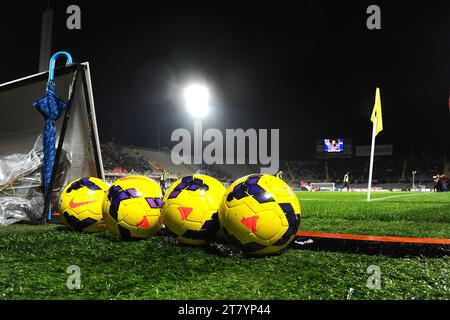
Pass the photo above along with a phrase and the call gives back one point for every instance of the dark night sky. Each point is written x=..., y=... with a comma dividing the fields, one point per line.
x=309, y=68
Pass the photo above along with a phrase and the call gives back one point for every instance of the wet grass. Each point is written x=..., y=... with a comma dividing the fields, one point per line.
x=34, y=259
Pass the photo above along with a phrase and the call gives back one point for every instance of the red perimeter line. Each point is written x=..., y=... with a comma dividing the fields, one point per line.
x=345, y=236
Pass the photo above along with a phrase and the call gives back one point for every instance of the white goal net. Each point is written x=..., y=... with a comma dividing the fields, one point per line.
x=323, y=186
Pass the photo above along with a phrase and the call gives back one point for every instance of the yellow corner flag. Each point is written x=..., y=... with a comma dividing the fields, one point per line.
x=376, y=113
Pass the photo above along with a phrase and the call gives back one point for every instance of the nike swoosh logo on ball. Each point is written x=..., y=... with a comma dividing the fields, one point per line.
x=78, y=204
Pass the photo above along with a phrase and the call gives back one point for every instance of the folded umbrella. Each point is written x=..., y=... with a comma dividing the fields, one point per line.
x=51, y=107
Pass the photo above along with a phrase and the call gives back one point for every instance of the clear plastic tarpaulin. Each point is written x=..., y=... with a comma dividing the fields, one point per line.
x=21, y=197
x=19, y=176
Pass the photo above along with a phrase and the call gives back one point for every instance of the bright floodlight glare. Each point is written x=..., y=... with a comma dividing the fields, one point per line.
x=197, y=99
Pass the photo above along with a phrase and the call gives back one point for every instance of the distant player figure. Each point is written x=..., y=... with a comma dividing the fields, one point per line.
x=279, y=175
x=437, y=185
x=346, y=181
x=162, y=181
x=441, y=183
x=444, y=183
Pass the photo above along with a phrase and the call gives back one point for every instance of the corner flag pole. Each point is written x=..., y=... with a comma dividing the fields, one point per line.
x=372, y=152
x=377, y=120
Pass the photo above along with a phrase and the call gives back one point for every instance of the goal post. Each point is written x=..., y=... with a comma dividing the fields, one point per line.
x=78, y=154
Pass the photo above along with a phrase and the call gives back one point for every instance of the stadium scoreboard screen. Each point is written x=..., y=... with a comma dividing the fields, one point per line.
x=333, y=145
x=334, y=148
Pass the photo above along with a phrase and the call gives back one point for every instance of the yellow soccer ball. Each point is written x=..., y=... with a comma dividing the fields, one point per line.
x=80, y=204
x=260, y=214
x=190, y=208
x=132, y=208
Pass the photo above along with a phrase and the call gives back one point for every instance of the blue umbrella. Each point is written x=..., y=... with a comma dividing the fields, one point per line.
x=51, y=107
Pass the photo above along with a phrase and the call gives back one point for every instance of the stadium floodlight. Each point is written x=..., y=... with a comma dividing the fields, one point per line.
x=197, y=100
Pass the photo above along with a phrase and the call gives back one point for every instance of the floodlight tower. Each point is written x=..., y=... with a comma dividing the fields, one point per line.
x=196, y=98
x=414, y=181
x=46, y=39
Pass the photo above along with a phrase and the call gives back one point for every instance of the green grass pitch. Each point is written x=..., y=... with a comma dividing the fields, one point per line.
x=34, y=259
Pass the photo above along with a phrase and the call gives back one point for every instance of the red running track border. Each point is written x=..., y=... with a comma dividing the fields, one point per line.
x=345, y=236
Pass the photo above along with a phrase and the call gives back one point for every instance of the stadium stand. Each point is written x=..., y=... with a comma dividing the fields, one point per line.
x=389, y=171
x=154, y=161
x=160, y=160
x=395, y=171
x=117, y=157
